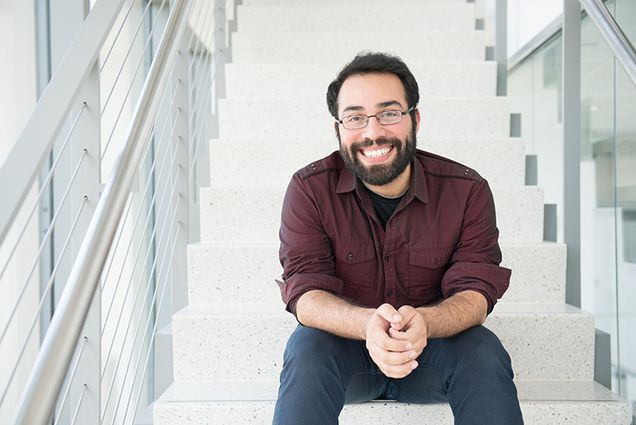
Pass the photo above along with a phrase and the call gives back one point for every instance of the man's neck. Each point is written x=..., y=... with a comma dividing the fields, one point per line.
x=394, y=189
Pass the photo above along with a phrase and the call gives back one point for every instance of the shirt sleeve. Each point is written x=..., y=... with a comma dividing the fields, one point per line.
x=305, y=249
x=474, y=265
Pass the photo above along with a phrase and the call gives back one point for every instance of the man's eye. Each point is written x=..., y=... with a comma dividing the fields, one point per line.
x=355, y=118
x=390, y=114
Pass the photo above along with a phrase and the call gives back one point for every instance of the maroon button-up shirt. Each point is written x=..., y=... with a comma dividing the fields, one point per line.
x=441, y=239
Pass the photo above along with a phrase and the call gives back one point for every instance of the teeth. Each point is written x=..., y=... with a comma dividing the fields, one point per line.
x=376, y=153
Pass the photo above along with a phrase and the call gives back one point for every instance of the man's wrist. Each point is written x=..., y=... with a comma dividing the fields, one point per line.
x=365, y=316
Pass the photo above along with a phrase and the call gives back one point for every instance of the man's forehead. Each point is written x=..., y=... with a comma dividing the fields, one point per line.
x=378, y=90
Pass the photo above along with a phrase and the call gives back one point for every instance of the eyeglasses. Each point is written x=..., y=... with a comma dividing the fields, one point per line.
x=359, y=121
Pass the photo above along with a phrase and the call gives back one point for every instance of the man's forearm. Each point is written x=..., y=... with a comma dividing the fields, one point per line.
x=455, y=314
x=323, y=310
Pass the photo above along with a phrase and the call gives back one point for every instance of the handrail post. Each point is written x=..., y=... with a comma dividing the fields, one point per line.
x=501, y=46
x=571, y=78
x=220, y=49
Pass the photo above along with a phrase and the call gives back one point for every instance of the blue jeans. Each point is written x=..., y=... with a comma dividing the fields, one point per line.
x=470, y=371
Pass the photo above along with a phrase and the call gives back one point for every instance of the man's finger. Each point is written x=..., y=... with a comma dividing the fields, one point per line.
x=395, y=358
x=390, y=314
x=384, y=341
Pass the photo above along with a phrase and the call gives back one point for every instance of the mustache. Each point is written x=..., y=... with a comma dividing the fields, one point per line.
x=379, y=142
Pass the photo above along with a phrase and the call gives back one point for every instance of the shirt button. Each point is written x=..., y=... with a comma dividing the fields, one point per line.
x=389, y=292
x=350, y=256
x=387, y=257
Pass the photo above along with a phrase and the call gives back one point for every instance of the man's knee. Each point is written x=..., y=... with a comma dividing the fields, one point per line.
x=313, y=349
x=480, y=350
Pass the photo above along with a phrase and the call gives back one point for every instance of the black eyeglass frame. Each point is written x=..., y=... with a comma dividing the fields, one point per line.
x=366, y=123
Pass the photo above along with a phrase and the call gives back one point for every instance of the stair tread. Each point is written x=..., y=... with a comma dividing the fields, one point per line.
x=246, y=309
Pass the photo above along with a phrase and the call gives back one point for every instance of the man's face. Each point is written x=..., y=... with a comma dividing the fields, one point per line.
x=377, y=154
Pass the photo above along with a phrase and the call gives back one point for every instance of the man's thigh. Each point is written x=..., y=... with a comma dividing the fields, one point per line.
x=336, y=361
x=442, y=358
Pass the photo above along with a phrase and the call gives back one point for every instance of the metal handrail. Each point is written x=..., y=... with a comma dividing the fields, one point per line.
x=48, y=118
x=54, y=358
x=613, y=35
x=596, y=10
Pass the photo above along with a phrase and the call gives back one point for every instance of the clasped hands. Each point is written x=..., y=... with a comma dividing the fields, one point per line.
x=395, y=338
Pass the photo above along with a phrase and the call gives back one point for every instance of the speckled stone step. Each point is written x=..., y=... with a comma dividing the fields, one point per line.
x=341, y=46
x=321, y=17
x=443, y=119
x=286, y=81
x=542, y=403
x=267, y=162
x=240, y=214
x=231, y=272
x=246, y=341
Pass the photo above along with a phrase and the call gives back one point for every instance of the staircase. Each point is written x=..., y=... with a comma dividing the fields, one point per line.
x=228, y=342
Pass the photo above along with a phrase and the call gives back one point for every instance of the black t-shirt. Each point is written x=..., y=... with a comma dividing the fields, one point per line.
x=384, y=207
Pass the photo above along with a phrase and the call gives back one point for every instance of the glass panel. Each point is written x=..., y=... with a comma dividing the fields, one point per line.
x=534, y=89
x=608, y=174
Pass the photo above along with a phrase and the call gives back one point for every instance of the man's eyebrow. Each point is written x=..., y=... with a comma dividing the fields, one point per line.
x=352, y=108
x=378, y=105
x=388, y=103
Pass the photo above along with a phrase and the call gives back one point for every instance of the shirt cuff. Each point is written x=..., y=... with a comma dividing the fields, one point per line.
x=292, y=288
x=489, y=279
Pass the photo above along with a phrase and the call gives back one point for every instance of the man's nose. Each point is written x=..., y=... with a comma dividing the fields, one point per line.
x=374, y=129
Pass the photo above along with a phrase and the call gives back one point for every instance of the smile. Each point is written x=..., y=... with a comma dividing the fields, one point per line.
x=376, y=153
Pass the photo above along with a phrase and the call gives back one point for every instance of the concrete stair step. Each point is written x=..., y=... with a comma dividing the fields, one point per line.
x=470, y=119
x=341, y=46
x=266, y=161
x=542, y=403
x=263, y=20
x=227, y=272
x=279, y=81
x=246, y=341
x=240, y=214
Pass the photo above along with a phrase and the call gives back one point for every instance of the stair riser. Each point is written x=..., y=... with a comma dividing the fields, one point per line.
x=254, y=215
x=341, y=47
x=441, y=120
x=267, y=162
x=420, y=17
x=261, y=413
x=227, y=273
x=266, y=82
x=250, y=347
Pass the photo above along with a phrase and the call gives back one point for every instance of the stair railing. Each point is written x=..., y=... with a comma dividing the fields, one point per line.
x=91, y=358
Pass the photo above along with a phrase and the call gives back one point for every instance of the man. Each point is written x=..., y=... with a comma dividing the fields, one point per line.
x=391, y=265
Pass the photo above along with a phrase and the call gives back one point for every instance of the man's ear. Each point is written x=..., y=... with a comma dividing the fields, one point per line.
x=417, y=120
x=336, y=127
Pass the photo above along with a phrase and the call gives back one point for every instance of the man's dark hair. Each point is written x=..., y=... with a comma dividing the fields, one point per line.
x=374, y=63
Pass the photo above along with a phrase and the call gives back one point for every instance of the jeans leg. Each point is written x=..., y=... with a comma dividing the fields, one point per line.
x=321, y=372
x=472, y=370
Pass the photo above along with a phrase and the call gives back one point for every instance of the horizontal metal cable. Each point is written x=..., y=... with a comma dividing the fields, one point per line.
x=44, y=241
x=198, y=17
x=70, y=380
x=110, y=50
x=43, y=186
x=130, y=86
x=141, y=21
x=152, y=236
x=145, y=191
x=110, y=390
x=154, y=298
x=153, y=334
x=145, y=227
x=79, y=403
x=42, y=301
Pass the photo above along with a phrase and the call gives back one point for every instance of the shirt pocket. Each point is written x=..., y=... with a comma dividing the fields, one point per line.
x=356, y=264
x=427, y=267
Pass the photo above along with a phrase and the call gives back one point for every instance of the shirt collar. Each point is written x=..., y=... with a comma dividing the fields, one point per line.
x=347, y=182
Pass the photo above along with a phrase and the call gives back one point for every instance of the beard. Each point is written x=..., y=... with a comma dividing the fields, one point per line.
x=381, y=174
